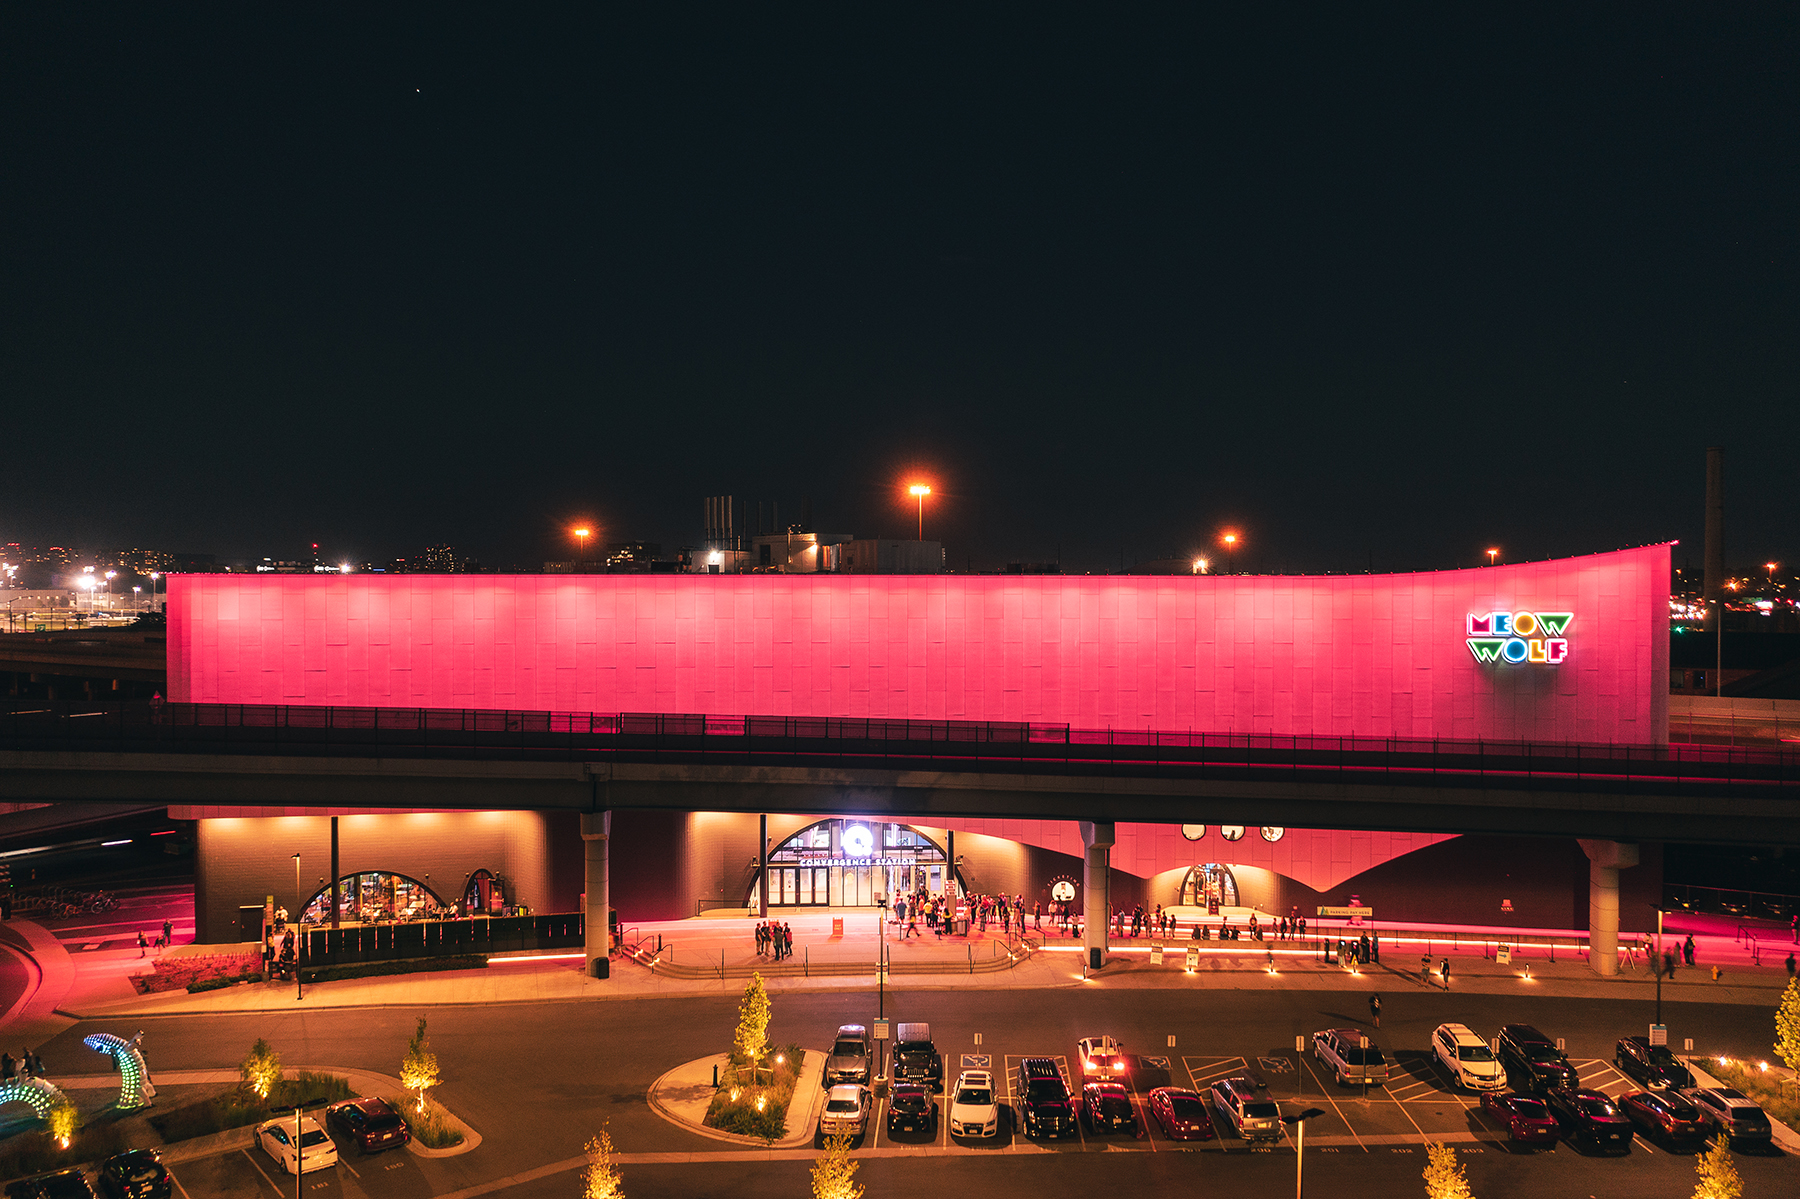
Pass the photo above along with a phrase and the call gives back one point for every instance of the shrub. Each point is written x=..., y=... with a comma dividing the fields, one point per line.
x=429, y=1127
x=239, y=1107
x=754, y=1109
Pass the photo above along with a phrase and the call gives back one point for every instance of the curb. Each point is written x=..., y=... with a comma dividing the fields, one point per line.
x=1783, y=1136
x=793, y=1140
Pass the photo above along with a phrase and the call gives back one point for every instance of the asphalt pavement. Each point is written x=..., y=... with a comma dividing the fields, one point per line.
x=536, y=1080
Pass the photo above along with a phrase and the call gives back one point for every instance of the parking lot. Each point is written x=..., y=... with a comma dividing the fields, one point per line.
x=1416, y=1106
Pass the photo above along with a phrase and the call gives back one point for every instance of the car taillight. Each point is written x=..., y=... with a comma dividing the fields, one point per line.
x=1118, y=1065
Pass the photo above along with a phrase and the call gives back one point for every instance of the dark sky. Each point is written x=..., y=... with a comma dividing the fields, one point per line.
x=1388, y=289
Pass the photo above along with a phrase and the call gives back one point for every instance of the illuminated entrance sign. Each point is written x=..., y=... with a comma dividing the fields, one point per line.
x=1520, y=636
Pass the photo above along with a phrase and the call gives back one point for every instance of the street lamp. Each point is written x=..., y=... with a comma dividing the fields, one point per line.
x=1771, y=566
x=299, y=927
x=1299, y=1123
x=1231, y=544
x=581, y=536
x=880, y=977
x=920, y=490
x=154, y=575
x=1200, y=565
x=1493, y=555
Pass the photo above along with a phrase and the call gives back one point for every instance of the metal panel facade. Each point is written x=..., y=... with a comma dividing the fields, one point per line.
x=1370, y=655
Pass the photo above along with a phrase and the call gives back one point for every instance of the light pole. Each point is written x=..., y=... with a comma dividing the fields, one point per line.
x=1299, y=1123
x=920, y=491
x=299, y=925
x=1657, y=969
x=1231, y=544
x=1493, y=556
x=581, y=536
x=880, y=977
x=1771, y=566
x=154, y=575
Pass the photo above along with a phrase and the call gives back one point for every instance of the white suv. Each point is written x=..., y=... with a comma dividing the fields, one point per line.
x=974, y=1110
x=1467, y=1058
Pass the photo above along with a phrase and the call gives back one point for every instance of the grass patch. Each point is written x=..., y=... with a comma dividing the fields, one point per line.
x=325, y=974
x=757, y=1109
x=36, y=1152
x=429, y=1127
x=236, y=1108
x=1765, y=1089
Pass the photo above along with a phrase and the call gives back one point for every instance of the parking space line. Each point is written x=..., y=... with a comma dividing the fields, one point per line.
x=278, y=1191
x=878, y=1121
x=178, y=1186
x=1307, y=1066
x=1401, y=1105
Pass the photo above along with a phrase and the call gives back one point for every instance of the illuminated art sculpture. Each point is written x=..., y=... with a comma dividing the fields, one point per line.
x=41, y=1095
x=135, y=1088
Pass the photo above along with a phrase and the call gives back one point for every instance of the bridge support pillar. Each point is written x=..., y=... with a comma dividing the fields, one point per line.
x=1097, y=841
x=1605, y=860
x=762, y=874
x=596, y=829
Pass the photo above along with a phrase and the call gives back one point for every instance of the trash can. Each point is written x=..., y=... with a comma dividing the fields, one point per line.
x=961, y=928
x=602, y=967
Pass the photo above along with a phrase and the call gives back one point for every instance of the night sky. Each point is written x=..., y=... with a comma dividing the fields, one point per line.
x=1374, y=290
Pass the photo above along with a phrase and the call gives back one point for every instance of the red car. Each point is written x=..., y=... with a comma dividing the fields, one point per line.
x=1665, y=1114
x=1181, y=1114
x=1526, y=1118
x=372, y=1123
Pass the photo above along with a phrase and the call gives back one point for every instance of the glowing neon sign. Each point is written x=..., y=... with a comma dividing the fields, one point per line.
x=1520, y=637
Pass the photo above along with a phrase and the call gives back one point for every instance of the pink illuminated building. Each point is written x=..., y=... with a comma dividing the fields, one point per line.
x=1574, y=649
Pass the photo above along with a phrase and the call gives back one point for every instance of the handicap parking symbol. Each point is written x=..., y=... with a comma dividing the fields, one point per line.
x=1155, y=1063
x=1276, y=1065
x=977, y=1061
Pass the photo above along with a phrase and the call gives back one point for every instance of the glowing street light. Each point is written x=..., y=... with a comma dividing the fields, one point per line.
x=1493, y=555
x=1200, y=565
x=920, y=490
x=581, y=536
x=1230, y=540
x=1771, y=566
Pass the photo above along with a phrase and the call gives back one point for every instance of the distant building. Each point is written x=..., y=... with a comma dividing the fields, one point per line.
x=880, y=557
x=798, y=553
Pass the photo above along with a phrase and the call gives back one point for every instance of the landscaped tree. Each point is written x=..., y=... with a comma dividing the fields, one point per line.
x=63, y=1121
x=1444, y=1178
x=753, y=1021
x=834, y=1172
x=601, y=1178
x=1787, y=1026
x=419, y=1068
x=262, y=1069
x=1718, y=1175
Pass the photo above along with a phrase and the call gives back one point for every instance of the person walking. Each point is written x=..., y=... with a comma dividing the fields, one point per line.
x=1687, y=949
x=168, y=933
x=1375, y=1009
x=1425, y=968
x=787, y=940
x=1790, y=966
x=143, y=945
x=1445, y=969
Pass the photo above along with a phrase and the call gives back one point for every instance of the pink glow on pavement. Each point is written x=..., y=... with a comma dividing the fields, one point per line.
x=1370, y=655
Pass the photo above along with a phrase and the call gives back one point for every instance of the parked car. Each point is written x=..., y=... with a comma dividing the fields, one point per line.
x=1533, y=1061
x=1341, y=1051
x=1100, y=1055
x=1665, y=1114
x=372, y=1123
x=1526, y=1118
x=316, y=1151
x=911, y=1109
x=848, y=1060
x=1729, y=1111
x=1181, y=1114
x=974, y=1108
x=1045, y=1106
x=846, y=1113
x=64, y=1184
x=1247, y=1108
x=139, y=1174
x=1591, y=1116
x=1467, y=1058
x=1107, y=1107
x=1652, y=1065
x=916, y=1059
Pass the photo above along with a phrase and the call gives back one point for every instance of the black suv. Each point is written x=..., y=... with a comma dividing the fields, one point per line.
x=1652, y=1065
x=1533, y=1060
x=916, y=1059
x=1044, y=1103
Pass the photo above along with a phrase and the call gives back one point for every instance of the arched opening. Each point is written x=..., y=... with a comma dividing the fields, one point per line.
x=372, y=897
x=1207, y=884
x=484, y=894
x=847, y=862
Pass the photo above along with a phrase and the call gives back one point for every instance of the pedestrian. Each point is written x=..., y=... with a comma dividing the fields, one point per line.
x=1037, y=916
x=168, y=933
x=1790, y=966
x=35, y=1062
x=1303, y=928
x=1687, y=949
x=1375, y=1009
x=787, y=940
x=7, y=1069
x=1425, y=968
x=143, y=945
x=1362, y=949
x=1669, y=964
x=1445, y=967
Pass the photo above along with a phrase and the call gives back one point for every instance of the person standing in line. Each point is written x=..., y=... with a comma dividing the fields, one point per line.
x=1375, y=1009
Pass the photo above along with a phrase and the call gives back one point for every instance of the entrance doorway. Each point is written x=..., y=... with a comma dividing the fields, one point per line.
x=851, y=863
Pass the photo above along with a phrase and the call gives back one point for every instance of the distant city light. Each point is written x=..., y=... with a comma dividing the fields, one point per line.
x=1200, y=566
x=1493, y=555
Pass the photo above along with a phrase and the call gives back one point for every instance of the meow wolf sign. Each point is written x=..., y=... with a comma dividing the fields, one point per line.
x=1513, y=637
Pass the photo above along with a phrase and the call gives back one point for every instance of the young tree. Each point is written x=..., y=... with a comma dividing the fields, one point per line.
x=1718, y=1176
x=63, y=1121
x=601, y=1178
x=419, y=1068
x=262, y=1069
x=1444, y=1178
x=1787, y=1026
x=753, y=1021
x=834, y=1172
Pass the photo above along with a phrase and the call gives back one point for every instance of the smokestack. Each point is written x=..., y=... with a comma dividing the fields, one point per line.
x=1715, y=524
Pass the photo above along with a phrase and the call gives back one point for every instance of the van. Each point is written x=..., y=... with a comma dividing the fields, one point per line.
x=1467, y=1058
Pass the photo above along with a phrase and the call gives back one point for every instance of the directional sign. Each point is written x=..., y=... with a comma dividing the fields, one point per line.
x=1156, y=955
x=1347, y=913
x=1193, y=959
x=881, y=1030
x=978, y=1061
x=1659, y=1034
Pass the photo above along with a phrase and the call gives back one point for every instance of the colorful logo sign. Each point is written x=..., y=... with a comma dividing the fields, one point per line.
x=1520, y=637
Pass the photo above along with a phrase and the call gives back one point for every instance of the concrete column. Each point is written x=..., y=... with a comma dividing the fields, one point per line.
x=596, y=828
x=1605, y=860
x=1097, y=840
x=762, y=886
x=332, y=889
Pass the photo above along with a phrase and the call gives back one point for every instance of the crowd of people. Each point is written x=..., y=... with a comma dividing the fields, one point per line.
x=27, y=1065
x=774, y=940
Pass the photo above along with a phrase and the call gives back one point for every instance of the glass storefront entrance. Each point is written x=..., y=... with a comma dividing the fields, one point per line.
x=1209, y=883
x=850, y=863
